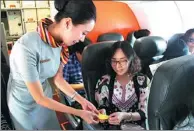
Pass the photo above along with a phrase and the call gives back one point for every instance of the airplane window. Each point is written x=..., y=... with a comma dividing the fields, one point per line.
x=186, y=11
x=162, y=18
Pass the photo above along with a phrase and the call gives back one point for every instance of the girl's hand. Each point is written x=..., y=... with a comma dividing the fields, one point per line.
x=116, y=118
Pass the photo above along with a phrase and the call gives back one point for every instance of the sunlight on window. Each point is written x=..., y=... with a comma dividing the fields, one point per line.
x=186, y=9
x=160, y=17
x=53, y=10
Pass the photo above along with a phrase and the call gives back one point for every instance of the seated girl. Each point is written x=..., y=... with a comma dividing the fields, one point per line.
x=122, y=93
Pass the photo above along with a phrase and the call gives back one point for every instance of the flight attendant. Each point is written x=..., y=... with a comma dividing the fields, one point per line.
x=40, y=55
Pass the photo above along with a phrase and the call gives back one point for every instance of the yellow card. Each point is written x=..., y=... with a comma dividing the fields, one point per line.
x=103, y=117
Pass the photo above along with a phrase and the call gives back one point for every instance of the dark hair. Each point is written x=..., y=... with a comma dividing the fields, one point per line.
x=188, y=34
x=135, y=64
x=141, y=33
x=80, y=11
x=79, y=47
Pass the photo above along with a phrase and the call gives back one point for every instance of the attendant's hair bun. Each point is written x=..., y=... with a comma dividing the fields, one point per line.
x=60, y=4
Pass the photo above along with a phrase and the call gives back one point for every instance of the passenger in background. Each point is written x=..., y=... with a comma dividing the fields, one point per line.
x=72, y=72
x=122, y=93
x=184, y=45
x=189, y=39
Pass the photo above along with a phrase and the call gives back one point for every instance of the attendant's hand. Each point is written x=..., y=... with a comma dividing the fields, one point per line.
x=89, y=117
x=86, y=105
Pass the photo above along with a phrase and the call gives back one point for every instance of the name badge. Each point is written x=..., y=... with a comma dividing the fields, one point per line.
x=43, y=61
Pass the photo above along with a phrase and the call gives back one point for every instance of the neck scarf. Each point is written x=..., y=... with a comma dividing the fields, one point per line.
x=48, y=39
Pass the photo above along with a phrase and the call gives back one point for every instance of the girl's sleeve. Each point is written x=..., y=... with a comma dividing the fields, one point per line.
x=142, y=83
x=102, y=93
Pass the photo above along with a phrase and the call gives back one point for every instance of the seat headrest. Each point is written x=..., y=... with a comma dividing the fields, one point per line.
x=176, y=50
x=131, y=38
x=87, y=41
x=149, y=47
x=94, y=55
x=172, y=89
x=110, y=37
x=175, y=37
x=176, y=47
x=141, y=33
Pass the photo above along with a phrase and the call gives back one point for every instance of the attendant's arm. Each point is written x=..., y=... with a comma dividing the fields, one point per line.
x=65, y=87
x=69, y=91
x=36, y=91
x=38, y=95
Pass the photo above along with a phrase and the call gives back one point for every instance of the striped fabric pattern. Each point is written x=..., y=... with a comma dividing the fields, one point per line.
x=72, y=70
x=42, y=29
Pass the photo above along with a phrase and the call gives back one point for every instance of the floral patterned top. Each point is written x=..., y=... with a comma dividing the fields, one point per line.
x=131, y=98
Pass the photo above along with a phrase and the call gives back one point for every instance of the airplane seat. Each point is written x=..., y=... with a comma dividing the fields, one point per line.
x=5, y=70
x=175, y=37
x=93, y=67
x=149, y=49
x=131, y=38
x=176, y=47
x=74, y=121
x=171, y=93
x=110, y=37
x=87, y=41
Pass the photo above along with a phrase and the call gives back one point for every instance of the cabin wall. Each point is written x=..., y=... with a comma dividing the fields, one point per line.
x=53, y=10
x=111, y=17
x=163, y=18
x=186, y=11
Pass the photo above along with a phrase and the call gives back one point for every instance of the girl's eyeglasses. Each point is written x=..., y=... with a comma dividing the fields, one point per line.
x=120, y=62
x=191, y=40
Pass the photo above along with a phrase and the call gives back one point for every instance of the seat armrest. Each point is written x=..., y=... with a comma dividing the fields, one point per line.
x=77, y=86
x=87, y=126
x=73, y=120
